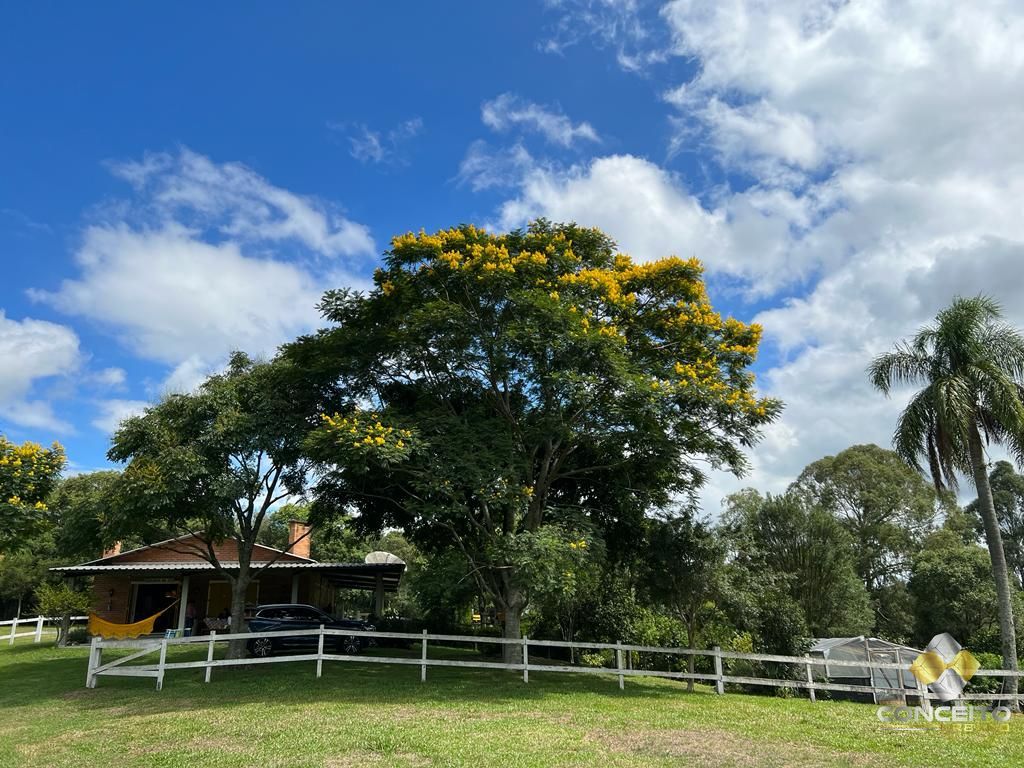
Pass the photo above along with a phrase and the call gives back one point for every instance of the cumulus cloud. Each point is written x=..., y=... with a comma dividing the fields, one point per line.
x=870, y=152
x=112, y=412
x=183, y=273
x=33, y=350
x=238, y=203
x=509, y=112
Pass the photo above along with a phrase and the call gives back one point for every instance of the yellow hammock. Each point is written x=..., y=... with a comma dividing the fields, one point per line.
x=111, y=631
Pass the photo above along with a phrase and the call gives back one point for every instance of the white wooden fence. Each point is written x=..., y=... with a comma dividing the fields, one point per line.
x=38, y=627
x=622, y=669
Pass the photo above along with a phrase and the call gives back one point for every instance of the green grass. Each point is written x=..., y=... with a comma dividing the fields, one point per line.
x=377, y=715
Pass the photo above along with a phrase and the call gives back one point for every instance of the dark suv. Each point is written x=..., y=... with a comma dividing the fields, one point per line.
x=283, y=617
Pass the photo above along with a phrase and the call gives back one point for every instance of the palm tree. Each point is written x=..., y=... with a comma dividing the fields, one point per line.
x=972, y=367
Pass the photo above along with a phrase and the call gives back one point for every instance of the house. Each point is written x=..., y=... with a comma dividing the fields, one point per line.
x=133, y=585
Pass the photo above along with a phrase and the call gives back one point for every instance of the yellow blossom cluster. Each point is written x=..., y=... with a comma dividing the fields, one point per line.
x=27, y=472
x=366, y=431
x=581, y=544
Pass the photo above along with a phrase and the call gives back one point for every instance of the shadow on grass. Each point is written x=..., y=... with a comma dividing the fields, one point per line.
x=34, y=676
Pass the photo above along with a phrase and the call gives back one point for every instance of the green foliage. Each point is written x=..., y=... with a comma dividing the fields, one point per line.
x=1008, y=499
x=81, y=507
x=510, y=381
x=20, y=572
x=687, y=572
x=62, y=599
x=886, y=506
x=28, y=473
x=951, y=584
x=784, y=547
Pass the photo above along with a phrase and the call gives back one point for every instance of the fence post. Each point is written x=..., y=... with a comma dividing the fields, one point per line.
x=922, y=694
x=90, y=676
x=871, y=671
x=320, y=653
x=423, y=659
x=209, y=654
x=160, y=666
x=618, y=663
x=14, y=629
x=810, y=679
x=39, y=629
x=526, y=660
x=719, y=675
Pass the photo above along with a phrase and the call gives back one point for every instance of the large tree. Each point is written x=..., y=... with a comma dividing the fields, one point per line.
x=214, y=463
x=971, y=366
x=798, y=546
x=885, y=505
x=505, y=381
x=687, y=573
x=28, y=472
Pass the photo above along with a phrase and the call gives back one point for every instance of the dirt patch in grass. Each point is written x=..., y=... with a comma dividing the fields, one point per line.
x=376, y=760
x=708, y=747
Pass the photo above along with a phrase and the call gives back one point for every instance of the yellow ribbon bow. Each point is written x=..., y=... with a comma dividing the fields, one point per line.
x=930, y=666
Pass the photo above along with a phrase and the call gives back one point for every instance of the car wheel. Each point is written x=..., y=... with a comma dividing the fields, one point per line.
x=350, y=646
x=261, y=647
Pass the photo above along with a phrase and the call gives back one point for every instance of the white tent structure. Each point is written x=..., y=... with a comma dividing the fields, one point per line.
x=866, y=649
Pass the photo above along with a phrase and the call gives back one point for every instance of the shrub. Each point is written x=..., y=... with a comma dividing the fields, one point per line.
x=596, y=659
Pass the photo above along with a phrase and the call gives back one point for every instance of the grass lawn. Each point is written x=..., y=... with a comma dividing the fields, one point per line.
x=377, y=715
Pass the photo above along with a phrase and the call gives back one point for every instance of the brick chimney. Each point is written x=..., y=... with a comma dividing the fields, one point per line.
x=297, y=529
x=114, y=549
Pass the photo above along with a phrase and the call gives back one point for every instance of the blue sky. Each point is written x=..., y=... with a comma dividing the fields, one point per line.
x=177, y=182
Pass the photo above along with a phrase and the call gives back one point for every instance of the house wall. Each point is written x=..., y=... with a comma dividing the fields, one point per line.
x=274, y=587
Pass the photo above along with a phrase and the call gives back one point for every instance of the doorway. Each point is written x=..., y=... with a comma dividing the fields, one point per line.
x=152, y=598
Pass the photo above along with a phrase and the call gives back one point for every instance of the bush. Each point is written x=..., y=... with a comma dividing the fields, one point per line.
x=984, y=684
x=596, y=659
x=78, y=636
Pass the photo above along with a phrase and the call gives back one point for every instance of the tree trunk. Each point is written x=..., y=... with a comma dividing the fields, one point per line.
x=63, y=630
x=239, y=587
x=514, y=603
x=995, y=549
x=17, y=614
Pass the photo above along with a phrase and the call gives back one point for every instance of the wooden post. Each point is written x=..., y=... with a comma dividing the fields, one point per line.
x=871, y=671
x=378, y=597
x=209, y=654
x=618, y=664
x=94, y=662
x=182, y=605
x=39, y=629
x=160, y=666
x=295, y=588
x=526, y=660
x=719, y=675
x=899, y=677
x=14, y=629
x=810, y=679
x=922, y=693
x=423, y=659
x=320, y=653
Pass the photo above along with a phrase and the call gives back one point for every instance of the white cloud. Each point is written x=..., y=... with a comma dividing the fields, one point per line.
x=33, y=350
x=239, y=203
x=508, y=112
x=170, y=296
x=182, y=274
x=369, y=146
x=110, y=377
x=113, y=412
x=871, y=152
x=486, y=168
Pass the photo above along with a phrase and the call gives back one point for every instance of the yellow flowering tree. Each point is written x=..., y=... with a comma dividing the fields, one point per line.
x=506, y=382
x=28, y=472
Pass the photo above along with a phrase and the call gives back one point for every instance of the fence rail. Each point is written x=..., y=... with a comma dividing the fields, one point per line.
x=720, y=678
x=38, y=629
